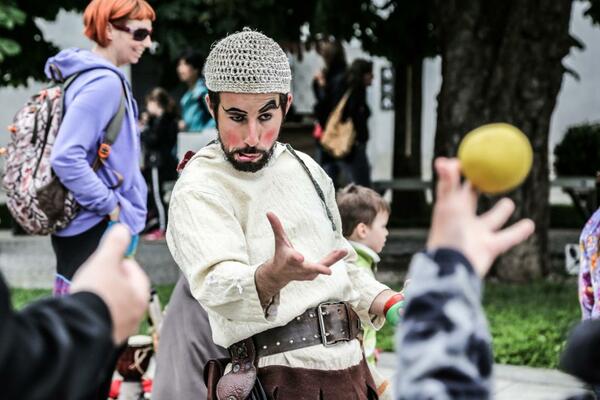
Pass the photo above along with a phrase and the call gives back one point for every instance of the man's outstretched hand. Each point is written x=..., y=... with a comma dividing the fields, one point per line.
x=289, y=265
x=455, y=223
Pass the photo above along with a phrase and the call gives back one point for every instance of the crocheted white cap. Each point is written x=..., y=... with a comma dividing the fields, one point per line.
x=247, y=62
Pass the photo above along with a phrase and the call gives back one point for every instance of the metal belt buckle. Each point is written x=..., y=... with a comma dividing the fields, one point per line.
x=324, y=334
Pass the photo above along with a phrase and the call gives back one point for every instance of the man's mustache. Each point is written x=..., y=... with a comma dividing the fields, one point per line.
x=250, y=150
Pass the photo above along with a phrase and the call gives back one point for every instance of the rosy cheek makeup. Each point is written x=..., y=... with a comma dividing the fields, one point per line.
x=268, y=138
x=231, y=139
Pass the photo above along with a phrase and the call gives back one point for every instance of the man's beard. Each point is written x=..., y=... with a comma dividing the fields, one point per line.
x=250, y=166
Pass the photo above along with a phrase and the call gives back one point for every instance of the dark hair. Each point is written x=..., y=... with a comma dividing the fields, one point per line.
x=334, y=55
x=359, y=204
x=215, y=100
x=357, y=71
x=193, y=58
x=164, y=100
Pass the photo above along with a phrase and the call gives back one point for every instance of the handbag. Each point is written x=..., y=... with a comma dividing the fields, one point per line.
x=338, y=136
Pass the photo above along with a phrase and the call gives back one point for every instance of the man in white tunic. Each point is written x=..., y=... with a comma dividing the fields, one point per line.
x=255, y=229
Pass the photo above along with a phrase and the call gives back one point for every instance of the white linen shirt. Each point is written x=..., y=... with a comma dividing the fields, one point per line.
x=218, y=234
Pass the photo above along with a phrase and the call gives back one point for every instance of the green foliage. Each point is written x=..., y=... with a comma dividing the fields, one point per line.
x=529, y=323
x=398, y=30
x=23, y=33
x=578, y=154
x=21, y=297
x=10, y=16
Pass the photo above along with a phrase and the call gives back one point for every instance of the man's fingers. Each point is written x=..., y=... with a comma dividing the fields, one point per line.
x=317, y=268
x=333, y=257
x=111, y=249
x=278, y=231
x=497, y=216
x=513, y=235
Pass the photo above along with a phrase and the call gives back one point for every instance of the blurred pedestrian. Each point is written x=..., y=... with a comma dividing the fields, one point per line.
x=356, y=164
x=116, y=189
x=195, y=114
x=329, y=86
x=159, y=137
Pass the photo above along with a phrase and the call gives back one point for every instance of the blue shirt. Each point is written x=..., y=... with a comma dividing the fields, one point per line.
x=193, y=109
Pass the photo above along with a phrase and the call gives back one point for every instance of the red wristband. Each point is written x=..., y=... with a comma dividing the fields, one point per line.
x=391, y=301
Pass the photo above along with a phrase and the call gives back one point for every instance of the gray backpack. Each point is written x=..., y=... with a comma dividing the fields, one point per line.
x=35, y=197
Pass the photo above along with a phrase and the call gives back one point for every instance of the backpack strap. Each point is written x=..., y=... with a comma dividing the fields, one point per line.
x=114, y=126
x=112, y=132
x=315, y=184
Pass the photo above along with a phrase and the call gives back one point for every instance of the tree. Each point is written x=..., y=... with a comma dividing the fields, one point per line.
x=26, y=49
x=181, y=24
x=10, y=16
x=501, y=61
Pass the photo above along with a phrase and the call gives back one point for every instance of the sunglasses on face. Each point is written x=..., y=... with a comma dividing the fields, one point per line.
x=138, y=34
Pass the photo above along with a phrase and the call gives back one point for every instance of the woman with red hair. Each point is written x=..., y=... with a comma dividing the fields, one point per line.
x=116, y=191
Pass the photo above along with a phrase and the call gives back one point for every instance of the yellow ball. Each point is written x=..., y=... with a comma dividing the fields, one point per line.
x=496, y=157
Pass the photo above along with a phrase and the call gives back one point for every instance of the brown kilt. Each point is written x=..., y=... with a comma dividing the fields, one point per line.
x=286, y=383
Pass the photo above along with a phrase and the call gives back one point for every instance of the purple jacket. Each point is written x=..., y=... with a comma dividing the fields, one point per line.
x=91, y=101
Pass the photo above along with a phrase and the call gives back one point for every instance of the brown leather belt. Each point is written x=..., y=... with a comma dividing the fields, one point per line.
x=326, y=324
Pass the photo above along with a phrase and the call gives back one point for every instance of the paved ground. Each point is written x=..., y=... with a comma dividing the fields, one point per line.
x=518, y=383
x=28, y=262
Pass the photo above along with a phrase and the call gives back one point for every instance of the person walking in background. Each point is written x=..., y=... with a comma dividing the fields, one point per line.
x=356, y=164
x=159, y=137
x=329, y=86
x=194, y=113
x=116, y=191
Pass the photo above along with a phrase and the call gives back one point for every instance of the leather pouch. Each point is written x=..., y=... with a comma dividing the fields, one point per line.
x=241, y=382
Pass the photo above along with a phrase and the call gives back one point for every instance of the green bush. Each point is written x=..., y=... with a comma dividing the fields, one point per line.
x=21, y=297
x=529, y=323
x=578, y=154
